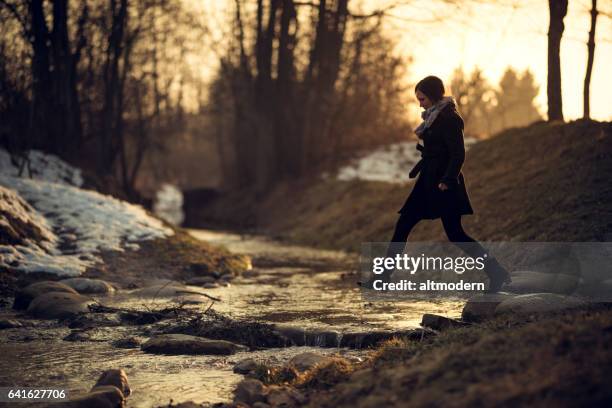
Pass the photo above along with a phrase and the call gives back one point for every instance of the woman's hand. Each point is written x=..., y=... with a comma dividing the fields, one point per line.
x=442, y=186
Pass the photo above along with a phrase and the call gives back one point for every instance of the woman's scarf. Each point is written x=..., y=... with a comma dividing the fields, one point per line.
x=430, y=114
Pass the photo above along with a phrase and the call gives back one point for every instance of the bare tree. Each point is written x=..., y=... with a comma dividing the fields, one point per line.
x=591, y=57
x=558, y=11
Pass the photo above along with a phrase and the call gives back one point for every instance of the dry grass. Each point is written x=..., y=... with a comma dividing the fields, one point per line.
x=558, y=360
x=545, y=182
x=325, y=375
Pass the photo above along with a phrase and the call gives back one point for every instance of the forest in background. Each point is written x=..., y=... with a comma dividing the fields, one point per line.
x=297, y=87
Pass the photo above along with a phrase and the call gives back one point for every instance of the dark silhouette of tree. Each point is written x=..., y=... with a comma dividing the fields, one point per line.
x=591, y=57
x=557, y=11
x=291, y=97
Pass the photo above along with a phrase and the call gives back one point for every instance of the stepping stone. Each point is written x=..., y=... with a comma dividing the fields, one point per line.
x=482, y=306
x=541, y=282
x=58, y=305
x=538, y=303
x=245, y=366
x=437, y=322
x=250, y=391
x=306, y=361
x=24, y=296
x=187, y=344
x=89, y=286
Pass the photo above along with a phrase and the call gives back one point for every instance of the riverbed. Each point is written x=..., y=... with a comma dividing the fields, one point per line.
x=289, y=285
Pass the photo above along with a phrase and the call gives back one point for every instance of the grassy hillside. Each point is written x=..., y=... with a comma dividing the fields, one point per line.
x=545, y=182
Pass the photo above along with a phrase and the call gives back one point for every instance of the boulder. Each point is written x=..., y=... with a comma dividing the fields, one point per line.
x=250, y=391
x=58, y=305
x=306, y=361
x=187, y=344
x=538, y=303
x=128, y=342
x=596, y=291
x=439, y=323
x=117, y=378
x=110, y=391
x=295, y=336
x=482, y=306
x=89, y=286
x=99, y=397
x=285, y=397
x=24, y=296
x=541, y=282
x=245, y=366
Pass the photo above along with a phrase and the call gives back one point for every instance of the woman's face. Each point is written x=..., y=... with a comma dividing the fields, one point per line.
x=424, y=101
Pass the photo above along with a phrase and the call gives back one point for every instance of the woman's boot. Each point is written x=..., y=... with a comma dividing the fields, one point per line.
x=497, y=274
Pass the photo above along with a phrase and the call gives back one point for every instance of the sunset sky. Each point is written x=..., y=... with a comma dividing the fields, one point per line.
x=491, y=35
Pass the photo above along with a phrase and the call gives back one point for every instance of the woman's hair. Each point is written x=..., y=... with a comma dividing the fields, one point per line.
x=432, y=87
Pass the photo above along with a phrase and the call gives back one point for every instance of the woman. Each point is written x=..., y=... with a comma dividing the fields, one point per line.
x=440, y=191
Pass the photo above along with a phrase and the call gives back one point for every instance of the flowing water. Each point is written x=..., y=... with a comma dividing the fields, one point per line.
x=290, y=285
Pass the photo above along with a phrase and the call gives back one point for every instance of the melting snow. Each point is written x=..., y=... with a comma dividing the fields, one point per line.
x=390, y=163
x=85, y=222
x=43, y=167
x=168, y=204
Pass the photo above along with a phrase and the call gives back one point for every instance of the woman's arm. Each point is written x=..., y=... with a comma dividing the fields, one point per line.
x=453, y=138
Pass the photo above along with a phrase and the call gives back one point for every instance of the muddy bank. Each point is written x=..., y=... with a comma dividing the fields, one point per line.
x=553, y=359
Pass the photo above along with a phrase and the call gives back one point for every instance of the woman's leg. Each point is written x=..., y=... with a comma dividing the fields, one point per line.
x=496, y=273
x=404, y=225
x=457, y=235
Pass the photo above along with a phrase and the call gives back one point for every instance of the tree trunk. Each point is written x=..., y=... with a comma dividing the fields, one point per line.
x=558, y=10
x=591, y=57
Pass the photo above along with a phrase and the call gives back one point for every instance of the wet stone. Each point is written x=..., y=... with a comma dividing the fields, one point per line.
x=306, y=361
x=24, y=296
x=117, y=378
x=186, y=344
x=245, y=366
x=482, y=306
x=539, y=282
x=437, y=322
x=128, y=342
x=283, y=396
x=294, y=336
x=89, y=286
x=57, y=305
x=250, y=391
x=538, y=303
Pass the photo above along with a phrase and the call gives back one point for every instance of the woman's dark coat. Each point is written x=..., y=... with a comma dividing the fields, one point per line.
x=442, y=155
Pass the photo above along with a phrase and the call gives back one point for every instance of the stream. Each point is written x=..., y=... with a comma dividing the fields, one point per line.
x=289, y=285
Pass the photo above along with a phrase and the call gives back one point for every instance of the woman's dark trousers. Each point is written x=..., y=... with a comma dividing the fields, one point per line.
x=452, y=227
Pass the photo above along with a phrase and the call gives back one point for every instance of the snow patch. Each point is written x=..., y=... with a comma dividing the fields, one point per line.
x=42, y=166
x=168, y=204
x=390, y=163
x=75, y=224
